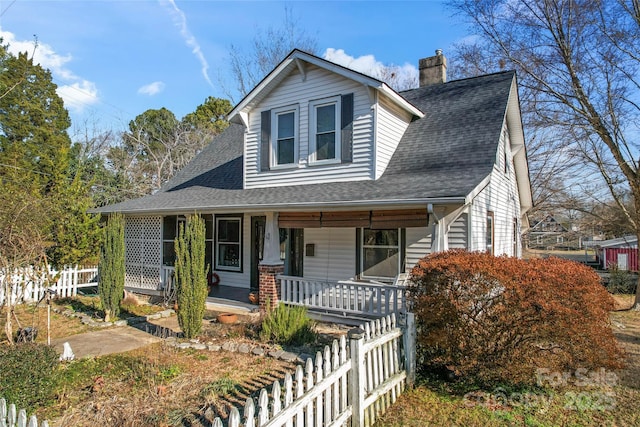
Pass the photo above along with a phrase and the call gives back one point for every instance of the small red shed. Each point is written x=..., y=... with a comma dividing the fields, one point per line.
x=621, y=252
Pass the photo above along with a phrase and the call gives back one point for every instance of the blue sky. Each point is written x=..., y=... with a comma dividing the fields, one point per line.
x=113, y=60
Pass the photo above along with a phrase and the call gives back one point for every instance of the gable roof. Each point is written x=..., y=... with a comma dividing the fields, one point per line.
x=620, y=242
x=298, y=59
x=441, y=157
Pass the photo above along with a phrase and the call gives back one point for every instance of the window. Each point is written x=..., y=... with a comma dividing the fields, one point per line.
x=285, y=136
x=490, y=232
x=229, y=243
x=325, y=130
x=170, y=228
x=515, y=237
x=380, y=255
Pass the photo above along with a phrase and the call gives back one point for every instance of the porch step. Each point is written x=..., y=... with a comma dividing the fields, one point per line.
x=350, y=320
x=227, y=305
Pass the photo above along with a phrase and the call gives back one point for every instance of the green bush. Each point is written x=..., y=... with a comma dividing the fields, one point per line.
x=191, y=275
x=621, y=281
x=28, y=376
x=491, y=320
x=111, y=269
x=289, y=325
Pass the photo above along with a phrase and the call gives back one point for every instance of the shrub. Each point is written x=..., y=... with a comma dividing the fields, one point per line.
x=28, y=376
x=288, y=325
x=111, y=268
x=620, y=281
x=191, y=275
x=498, y=319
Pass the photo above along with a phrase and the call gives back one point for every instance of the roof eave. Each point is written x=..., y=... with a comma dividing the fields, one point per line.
x=293, y=206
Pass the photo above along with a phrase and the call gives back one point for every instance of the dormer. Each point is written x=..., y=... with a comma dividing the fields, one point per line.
x=313, y=121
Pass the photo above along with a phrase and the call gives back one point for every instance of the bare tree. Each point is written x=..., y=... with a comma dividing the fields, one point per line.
x=269, y=47
x=23, y=242
x=578, y=63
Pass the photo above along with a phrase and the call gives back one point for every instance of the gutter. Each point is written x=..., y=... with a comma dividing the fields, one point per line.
x=343, y=205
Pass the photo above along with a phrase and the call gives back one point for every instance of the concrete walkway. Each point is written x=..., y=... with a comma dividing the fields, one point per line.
x=126, y=338
x=105, y=341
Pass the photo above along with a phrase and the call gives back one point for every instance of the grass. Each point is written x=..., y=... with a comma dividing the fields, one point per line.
x=31, y=315
x=611, y=401
x=157, y=386
x=162, y=386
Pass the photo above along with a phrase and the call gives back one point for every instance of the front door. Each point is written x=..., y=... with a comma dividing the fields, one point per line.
x=296, y=252
x=258, y=224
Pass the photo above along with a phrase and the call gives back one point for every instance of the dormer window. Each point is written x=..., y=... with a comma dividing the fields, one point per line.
x=324, y=131
x=328, y=135
x=285, y=136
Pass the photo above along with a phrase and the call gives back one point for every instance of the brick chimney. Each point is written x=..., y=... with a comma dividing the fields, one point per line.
x=433, y=70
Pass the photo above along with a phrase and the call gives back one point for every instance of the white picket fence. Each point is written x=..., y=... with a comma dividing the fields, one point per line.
x=31, y=284
x=351, y=385
x=360, y=299
x=10, y=417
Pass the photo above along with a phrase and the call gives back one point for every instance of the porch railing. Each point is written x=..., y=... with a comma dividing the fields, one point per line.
x=370, y=300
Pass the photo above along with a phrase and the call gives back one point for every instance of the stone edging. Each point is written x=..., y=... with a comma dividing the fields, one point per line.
x=100, y=323
x=229, y=346
x=244, y=347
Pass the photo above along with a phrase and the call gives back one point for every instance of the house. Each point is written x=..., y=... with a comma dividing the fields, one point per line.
x=548, y=233
x=327, y=173
x=621, y=252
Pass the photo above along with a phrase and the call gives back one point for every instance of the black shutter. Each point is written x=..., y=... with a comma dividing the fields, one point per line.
x=265, y=140
x=346, y=125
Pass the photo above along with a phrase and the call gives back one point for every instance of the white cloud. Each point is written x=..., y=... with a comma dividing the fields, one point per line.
x=366, y=64
x=402, y=76
x=180, y=20
x=152, y=88
x=76, y=92
x=79, y=95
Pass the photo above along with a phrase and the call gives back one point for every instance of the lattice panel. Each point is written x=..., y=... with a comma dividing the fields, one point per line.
x=143, y=246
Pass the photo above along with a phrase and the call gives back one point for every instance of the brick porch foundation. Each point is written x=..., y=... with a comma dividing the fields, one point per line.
x=269, y=285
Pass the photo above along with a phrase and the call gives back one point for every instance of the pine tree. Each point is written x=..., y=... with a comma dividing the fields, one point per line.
x=111, y=269
x=190, y=274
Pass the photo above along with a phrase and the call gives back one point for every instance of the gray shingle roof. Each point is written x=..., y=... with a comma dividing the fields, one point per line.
x=446, y=154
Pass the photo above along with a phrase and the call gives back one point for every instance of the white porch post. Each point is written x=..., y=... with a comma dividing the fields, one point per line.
x=271, y=254
x=440, y=242
x=271, y=264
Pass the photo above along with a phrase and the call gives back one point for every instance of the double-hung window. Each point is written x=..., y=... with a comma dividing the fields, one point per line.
x=229, y=243
x=325, y=130
x=380, y=256
x=285, y=136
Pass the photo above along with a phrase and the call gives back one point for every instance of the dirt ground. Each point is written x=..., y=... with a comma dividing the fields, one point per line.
x=626, y=328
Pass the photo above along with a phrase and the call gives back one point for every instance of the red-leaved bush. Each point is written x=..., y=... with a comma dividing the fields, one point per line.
x=498, y=319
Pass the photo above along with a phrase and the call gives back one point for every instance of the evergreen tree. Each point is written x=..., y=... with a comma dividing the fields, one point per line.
x=35, y=166
x=191, y=275
x=210, y=116
x=76, y=232
x=34, y=144
x=111, y=269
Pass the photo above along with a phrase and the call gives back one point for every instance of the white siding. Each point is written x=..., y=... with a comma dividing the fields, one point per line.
x=390, y=126
x=293, y=90
x=335, y=253
x=459, y=233
x=418, y=245
x=502, y=198
x=235, y=278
